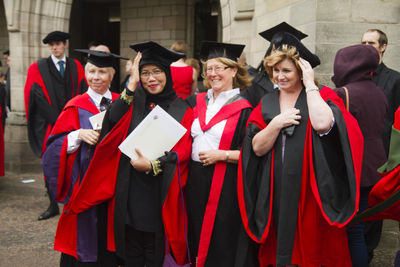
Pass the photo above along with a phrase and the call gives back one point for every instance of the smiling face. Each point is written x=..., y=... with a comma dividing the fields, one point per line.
x=219, y=75
x=153, y=79
x=99, y=79
x=287, y=76
x=57, y=48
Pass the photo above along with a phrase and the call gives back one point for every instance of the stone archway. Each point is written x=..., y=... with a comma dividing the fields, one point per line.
x=27, y=23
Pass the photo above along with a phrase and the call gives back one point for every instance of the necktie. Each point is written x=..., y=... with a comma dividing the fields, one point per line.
x=104, y=103
x=61, y=63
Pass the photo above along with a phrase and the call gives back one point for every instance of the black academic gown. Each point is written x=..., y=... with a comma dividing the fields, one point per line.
x=128, y=178
x=46, y=93
x=229, y=245
x=260, y=86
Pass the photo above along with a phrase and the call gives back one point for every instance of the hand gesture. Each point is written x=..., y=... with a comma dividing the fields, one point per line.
x=210, y=157
x=134, y=77
x=288, y=117
x=142, y=164
x=308, y=73
x=89, y=136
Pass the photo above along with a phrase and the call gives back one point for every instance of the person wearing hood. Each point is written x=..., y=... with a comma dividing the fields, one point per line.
x=145, y=217
x=299, y=168
x=367, y=102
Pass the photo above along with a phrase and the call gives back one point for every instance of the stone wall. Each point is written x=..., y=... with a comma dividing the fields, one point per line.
x=330, y=25
x=27, y=23
x=160, y=21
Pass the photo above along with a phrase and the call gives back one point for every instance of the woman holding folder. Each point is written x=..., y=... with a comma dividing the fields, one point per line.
x=215, y=229
x=145, y=212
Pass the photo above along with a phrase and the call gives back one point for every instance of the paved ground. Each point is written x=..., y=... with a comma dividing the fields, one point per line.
x=24, y=241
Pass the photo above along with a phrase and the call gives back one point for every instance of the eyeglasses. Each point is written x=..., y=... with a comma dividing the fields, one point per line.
x=217, y=69
x=154, y=73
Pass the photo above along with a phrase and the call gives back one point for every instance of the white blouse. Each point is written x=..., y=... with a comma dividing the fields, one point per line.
x=210, y=139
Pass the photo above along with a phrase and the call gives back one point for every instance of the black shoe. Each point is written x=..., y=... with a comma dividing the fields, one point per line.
x=50, y=212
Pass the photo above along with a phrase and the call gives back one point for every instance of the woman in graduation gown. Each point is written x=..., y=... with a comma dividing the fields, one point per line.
x=218, y=130
x=145, y=204
x=300, y=167
x=69, y=150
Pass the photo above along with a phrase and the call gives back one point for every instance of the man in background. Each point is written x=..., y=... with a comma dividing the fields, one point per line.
x=389, y=81
x=50, y=83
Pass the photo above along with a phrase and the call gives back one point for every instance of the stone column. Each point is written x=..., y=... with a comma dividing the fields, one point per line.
x=27, y=22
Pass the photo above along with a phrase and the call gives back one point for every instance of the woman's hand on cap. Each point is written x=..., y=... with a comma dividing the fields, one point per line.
x=308, y=73
x=134, y=73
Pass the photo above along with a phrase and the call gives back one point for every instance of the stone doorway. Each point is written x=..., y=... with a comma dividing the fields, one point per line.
x=95, y=21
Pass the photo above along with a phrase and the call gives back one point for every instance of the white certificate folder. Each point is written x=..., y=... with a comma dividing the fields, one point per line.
x=97, y=120
x=157, y=133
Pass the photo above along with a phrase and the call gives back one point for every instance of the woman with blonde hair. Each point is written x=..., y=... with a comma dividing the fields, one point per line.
x=299, y=168
x=215, y=229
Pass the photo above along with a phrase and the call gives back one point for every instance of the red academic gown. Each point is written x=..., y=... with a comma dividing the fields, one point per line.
x=41, y=105
x=216, y=235
x=75, y=235
x=106, y=171
x=296, y=204
x=384, y=196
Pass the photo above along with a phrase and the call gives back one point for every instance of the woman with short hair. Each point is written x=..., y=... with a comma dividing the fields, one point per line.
x=69, y=151
x=299, y=168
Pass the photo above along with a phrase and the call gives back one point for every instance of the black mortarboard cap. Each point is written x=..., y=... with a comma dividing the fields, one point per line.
x=154, y=53
x=56, y=36
x=211, y=49
x=282, y=27
x=101, y=59
x=292, y=37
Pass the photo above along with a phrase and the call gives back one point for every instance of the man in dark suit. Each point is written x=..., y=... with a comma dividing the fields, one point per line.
x=50, y=83
x=389, y=81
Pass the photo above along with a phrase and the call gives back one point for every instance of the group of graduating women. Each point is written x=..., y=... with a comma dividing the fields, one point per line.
x=274, y=185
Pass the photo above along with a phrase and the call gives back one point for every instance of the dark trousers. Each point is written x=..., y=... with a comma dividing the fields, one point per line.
x=372, y=235
x=355, y=235
x=70, y=261
x=139, y=248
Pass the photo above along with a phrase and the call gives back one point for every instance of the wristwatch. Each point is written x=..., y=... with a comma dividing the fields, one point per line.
x=312, y=88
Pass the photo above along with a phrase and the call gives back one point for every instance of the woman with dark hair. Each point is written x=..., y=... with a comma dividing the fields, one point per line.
x=184, y=76
x=145, y=212
x=216, y=235
x=299, y=169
